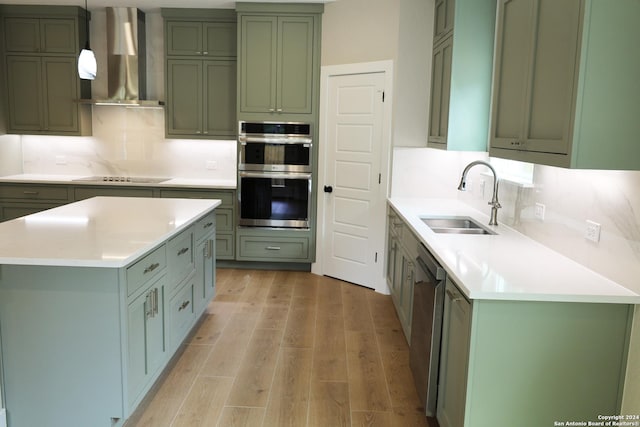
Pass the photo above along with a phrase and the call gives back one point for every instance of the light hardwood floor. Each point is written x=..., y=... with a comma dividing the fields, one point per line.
x=282, y=348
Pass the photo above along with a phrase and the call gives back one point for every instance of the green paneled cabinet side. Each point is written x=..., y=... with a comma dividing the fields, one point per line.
x=565, y=84
x=41, y=44
x=534, y=361
x=461, y=74
x=200, y=47
x=279, y=61
x=401, y=254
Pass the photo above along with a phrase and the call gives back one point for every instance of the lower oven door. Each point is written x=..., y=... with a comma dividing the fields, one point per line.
x=274, y=199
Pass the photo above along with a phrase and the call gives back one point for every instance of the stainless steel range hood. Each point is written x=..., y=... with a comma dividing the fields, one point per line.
x=126, y=59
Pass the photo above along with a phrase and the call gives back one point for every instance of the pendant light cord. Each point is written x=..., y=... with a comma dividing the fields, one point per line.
x=86, y=15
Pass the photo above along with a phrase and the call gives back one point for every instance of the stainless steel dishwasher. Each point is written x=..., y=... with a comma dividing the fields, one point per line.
x=426, y=327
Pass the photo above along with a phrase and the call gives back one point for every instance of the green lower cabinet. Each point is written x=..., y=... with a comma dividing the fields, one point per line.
x=205, y=280
x=181, y=314
x=530, y=363
x=274, y=246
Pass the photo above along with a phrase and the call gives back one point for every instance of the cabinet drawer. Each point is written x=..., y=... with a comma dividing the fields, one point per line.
x=181, y=314
x=225, y=246
x=280, y=249
x=226, y=197
x=85, y=193
x=34, y=192
x=146, y=268
x=180, y=256
x=206, y=225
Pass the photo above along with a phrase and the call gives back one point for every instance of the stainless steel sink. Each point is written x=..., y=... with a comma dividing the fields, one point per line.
x=456, y=225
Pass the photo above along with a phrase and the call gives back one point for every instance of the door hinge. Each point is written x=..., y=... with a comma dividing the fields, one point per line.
x=382, y=96
x=376, y=260
x=379, y=178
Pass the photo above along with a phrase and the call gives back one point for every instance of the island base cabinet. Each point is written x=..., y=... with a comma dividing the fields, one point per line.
x=530, y=363
x=61, y=331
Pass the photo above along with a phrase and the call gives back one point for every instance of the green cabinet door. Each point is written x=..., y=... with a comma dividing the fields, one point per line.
x=443, y=19
x=440, y=93
x=258, y=64
x=276, y=76
x=184, y=95
x=219, y=109
x=146, y=338
x=60, y=94
x=201, y=97
x=34, y=35
x=295, y=64
x=454, y=356
x=25, y=95
x=220, y=39
x=205, y=278
x=42, y=94
x=537, y=54
x=184, y=38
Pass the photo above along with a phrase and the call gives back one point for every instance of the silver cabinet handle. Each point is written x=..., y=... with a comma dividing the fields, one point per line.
x=184, y=305
x=151, y=268
x=273, y=248
x=454, y=297
x=30, y=193
x=183, y=251
x=148, y=312
x=207, y=225
x=205, y=53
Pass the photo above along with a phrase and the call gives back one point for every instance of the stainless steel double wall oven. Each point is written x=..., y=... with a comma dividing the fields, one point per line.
x=274, y=174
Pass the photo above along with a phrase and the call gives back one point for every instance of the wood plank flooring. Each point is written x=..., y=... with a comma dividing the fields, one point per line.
x=282, y=348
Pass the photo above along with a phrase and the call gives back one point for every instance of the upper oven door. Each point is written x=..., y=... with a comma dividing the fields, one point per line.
x=274, y=147
x=274, y=155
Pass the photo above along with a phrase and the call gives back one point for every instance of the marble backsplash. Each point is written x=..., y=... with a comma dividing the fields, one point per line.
x=129, y=142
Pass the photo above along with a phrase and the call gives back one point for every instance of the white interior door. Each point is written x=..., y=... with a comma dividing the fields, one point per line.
x=354, y=208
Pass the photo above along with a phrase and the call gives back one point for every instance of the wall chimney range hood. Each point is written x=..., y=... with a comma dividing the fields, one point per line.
x=126, y=59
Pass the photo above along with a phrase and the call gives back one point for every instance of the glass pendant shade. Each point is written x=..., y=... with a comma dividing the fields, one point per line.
x=87, y=66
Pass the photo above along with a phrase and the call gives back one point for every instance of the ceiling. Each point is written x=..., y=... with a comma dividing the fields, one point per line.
x=147, y=5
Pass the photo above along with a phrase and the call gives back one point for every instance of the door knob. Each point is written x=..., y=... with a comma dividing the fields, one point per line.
x=328, y=189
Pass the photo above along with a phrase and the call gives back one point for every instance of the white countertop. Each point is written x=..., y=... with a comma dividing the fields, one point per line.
x=73, y=179
x=506, y=266
x=97, y=232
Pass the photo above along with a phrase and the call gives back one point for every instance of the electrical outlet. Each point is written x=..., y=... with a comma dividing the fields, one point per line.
x=539, y=211
x=211, y=165
x=592, y=232
x=483, y=185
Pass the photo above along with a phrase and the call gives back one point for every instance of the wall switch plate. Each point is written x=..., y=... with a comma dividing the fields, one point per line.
x=539, y=211
x=211, y=165
x=592, y=232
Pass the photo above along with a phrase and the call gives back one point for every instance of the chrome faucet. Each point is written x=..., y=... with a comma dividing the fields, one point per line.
x=495, y=205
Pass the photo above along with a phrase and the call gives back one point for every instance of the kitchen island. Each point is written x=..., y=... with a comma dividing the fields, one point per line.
x=529, y=337
x=95, y=298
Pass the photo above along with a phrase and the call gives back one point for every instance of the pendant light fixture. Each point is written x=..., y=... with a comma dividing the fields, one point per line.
x=87, y=66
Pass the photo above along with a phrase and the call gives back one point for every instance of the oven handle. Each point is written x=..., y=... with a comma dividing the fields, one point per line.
x=274, y=175
x=243, y=139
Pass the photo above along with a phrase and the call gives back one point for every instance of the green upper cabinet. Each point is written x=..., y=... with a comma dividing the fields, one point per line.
x=442, y=19
x=279, y=61
x=461, y=74
x=44, y=35
x=200, y=47
x=566, y=83
x=214, y=39
x=201, y=98
x=41, y=45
